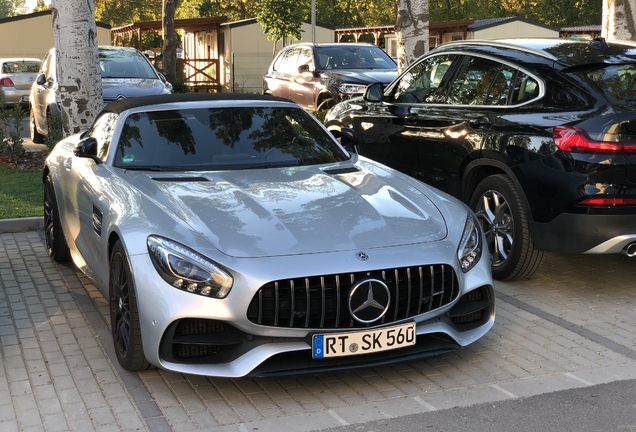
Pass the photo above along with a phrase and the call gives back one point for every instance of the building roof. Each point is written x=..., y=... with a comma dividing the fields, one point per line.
x=42, y=13
x=583, y=28
x=190, y=25
x=252, y=21
x=492, y=22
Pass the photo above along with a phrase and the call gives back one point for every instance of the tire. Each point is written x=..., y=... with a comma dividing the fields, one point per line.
x=54, y=235
x=326, y=104
x=36, y=136
x=500, y=208
x=124, y=315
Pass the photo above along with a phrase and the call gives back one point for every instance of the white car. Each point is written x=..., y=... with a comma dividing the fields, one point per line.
x=233, y=236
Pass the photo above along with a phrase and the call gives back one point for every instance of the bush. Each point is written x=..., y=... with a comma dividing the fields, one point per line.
x=10, y=131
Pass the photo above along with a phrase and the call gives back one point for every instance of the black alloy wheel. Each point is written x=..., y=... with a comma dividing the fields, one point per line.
x=124, y=316
x=53, y=234
x=504, y=219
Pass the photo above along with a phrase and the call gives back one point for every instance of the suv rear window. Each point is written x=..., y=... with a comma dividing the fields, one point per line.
x=617, y=81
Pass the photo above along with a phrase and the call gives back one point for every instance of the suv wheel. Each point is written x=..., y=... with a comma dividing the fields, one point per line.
x=504, y=218
x=325, y=104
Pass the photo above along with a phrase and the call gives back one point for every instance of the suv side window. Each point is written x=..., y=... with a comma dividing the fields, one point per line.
x=305, y=57
x=481, y=82
x=422, y=82
x=289, y=65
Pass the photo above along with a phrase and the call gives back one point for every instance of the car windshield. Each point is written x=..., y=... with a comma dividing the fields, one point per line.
x=21, y=66
x=123, y=63
x=224, y=138
x=354, y=57
x=617, y=81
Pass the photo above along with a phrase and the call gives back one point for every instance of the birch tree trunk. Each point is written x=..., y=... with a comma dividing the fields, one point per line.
x=77, y=64
x=618, y=20
x=412, y=31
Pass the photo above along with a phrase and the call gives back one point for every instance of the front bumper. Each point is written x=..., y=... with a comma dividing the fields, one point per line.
x=244, y=348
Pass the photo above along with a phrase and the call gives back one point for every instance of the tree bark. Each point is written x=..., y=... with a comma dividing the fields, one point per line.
x=170, y=40
x=77, y=63
x=618, y=20
x=412, y=31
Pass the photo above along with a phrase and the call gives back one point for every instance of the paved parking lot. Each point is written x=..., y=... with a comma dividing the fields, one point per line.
x=572, y=325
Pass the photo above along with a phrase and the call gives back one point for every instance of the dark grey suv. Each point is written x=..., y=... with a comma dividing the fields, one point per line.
x=126, y=72
x=317, y=76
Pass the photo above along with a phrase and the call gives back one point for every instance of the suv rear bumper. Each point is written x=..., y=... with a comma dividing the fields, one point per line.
x=584, y=233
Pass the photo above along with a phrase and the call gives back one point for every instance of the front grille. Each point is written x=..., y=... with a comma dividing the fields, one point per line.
x=322, y=301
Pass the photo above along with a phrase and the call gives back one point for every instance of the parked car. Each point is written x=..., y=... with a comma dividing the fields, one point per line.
x=126, y=73
x=16, y=77
x=232, y=235
x=317, y=76
x=538, y=136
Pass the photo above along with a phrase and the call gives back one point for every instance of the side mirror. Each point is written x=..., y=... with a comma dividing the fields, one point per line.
x=374, y=92
x=349, y=140
x=302, y=69
x=87, y=148
x=40, y=79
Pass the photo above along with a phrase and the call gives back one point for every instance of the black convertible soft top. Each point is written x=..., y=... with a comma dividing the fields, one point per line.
x=119, y=106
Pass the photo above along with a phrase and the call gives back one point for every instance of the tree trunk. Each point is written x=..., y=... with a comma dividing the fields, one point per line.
x=77, y=63
x=618, y=20
x=170, y=40
x=412, y=31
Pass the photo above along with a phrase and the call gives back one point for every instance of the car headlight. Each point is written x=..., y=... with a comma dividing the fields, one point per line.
x=187, y=270
x=352, y=88
x=470, y=247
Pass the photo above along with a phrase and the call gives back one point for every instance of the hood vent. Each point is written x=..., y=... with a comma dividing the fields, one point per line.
x=346, y=170
x=180, y=179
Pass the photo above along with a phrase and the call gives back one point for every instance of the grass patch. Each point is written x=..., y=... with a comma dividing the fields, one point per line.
x=21, y=193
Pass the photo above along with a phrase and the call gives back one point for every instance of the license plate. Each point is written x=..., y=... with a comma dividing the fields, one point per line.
x=24, y=99
x=363, y=342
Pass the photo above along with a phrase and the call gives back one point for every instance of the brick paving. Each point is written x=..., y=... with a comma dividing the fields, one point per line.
x=572, y=325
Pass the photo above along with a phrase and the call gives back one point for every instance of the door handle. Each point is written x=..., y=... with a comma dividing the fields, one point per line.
x=480, y=122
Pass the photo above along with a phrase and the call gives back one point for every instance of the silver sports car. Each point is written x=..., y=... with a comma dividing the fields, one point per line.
x=234, y=236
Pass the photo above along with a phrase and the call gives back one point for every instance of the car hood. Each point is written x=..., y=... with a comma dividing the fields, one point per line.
x=362, y=76
x=112, y=88
x=300, y=210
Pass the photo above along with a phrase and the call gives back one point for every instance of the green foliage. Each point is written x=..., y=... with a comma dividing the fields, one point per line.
x=281, y=18
x=180, y=85
x=232, y=9
x=10, y=131
x=9, y=8
x=21, y=193
x=556, y=13
x=56, y=131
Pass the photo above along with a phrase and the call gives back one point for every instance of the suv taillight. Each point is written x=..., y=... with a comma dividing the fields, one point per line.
x=572, y=139
x=607, y=201
x=6, y=82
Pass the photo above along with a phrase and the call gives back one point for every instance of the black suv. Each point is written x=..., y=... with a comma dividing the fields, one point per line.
x=317, y=76
x=537, y=136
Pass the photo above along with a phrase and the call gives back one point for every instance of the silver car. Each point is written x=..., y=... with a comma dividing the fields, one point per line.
x=233, y=235
x=16, y=77
x=125, y=73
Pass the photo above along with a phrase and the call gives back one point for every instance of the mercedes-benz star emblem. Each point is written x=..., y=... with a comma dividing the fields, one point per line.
x=362, y=256
x=369, y=300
